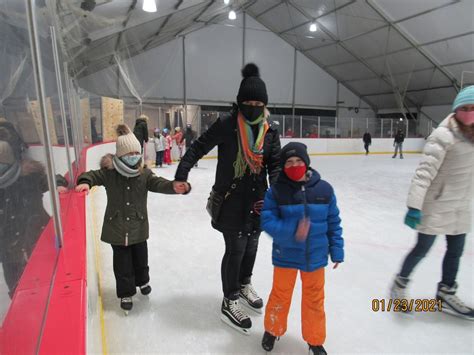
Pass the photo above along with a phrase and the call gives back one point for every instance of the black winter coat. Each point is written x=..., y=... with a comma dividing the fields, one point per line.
x=399, y=137
x=141, y=131
x=367, y=138
x=237, y=213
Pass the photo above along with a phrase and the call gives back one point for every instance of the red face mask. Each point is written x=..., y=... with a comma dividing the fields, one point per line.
x=465, y=117
x=295, y=173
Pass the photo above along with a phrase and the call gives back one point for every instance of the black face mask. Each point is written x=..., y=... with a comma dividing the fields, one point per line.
x=251, y=113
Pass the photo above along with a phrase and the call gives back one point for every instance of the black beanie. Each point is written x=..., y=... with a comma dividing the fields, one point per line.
x=252, y=88
x=294, y=149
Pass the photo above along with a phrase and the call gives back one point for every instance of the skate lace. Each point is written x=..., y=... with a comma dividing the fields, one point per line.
x=457, y=301
x=126, y=300
x=250, y=292
x=236, y=311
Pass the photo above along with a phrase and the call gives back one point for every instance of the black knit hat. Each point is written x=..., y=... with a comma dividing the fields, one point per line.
x=252, y=88
x=294, y=149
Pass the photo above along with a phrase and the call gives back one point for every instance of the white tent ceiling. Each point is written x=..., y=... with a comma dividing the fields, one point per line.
x=389, y=53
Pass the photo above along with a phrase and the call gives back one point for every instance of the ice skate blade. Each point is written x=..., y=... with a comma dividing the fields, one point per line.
x=244, y=302
x=126, y=312
x=233, y=326
x=455, y=314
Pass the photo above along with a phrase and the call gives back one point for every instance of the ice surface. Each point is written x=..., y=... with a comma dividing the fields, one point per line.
x=182, y=313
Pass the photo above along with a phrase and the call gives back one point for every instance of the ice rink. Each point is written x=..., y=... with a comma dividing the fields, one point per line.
x=182, y=314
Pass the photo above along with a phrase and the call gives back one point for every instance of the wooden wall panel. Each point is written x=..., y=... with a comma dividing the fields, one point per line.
x=112, y=115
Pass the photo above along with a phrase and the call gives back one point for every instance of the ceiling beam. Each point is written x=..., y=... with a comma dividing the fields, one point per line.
x=410, y=91
x=382, y=14
x=318, y=17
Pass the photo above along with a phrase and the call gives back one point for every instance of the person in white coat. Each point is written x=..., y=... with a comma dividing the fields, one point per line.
x=439, y=201
x=160, y=144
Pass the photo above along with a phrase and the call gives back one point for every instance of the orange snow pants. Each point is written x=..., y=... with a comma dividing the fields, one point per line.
x=313, y=318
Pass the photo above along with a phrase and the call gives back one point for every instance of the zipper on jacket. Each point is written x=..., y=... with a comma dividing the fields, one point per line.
x=306, y=215
x=126, y=239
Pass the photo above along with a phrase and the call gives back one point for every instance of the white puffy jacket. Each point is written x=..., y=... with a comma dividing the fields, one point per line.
x=442, y=185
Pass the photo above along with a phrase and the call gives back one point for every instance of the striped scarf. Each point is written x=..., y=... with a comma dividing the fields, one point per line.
x=250, y=153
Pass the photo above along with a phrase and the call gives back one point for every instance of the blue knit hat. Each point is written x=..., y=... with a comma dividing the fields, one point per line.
x=464, y=97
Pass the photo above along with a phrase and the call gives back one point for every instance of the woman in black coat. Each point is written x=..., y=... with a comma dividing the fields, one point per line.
x=248, y=152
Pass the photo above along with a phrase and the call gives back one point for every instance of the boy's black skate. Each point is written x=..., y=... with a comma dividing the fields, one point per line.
x=451, y=303
x=249, y=298
x=317, y=350
x=268, y=341
x=234, y=316
x=145, y=289
x=126, y=304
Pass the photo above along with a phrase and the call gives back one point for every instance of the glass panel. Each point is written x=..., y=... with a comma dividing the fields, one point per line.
x=327, y=127
x=28, y=250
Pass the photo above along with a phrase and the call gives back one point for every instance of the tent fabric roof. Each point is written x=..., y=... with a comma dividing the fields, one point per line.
x=389, y=53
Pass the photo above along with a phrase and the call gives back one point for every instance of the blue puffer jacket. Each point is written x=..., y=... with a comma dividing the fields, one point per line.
x=286, y=203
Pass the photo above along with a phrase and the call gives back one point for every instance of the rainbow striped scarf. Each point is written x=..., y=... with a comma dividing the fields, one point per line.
x=250, y=153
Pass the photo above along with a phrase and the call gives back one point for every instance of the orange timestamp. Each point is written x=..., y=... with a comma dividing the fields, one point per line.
x=407, y=305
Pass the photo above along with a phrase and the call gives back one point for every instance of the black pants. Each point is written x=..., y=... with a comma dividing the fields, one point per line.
x=450, y=261
x=130, y=268
x=238, y=261
x=159, y=158
x=366, y=146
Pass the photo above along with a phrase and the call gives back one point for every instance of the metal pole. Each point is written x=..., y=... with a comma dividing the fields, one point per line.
x=337, y=99
x=367, y=123
x=294, y=88
x=184, y=82
x=61, y=104
x=39, y=84
x=406, y=136
x=352, y=125
x=284, y=130
x=301, y=126
x=244, y=30
x=381, y=129
x=319, y=126
x=72, y=115
x=391, y=128
x=335, y=128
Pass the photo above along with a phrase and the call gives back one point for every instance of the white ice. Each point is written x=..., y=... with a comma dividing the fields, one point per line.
x=182, y=314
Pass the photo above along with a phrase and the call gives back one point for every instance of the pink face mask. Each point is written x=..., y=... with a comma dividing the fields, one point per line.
x=465, y=117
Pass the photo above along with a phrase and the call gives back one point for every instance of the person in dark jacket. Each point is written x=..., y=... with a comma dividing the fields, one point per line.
x=125, y=226
x=141, y=130
x=189, y=137
x=22, y=215
x=367, y=141
x=398, y=143
x=300, y=213
x=248, y=152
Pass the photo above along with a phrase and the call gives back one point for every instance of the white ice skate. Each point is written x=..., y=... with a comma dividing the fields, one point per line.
x=451, y=303
x=250, y=298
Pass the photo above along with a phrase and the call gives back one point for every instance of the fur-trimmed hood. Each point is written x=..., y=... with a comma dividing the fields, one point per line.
x=106, y=162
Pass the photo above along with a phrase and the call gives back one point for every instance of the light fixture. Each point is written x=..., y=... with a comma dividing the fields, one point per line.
x=226, y=2
x=401, y=119
x=232, y=15
x=313, y=27
x=149, y=5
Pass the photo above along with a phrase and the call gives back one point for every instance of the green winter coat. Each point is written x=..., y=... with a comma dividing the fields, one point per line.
x=126, y=217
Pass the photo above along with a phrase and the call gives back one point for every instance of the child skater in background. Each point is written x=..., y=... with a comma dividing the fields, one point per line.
x=439, y=202
x=301, y=215
x=125, y=226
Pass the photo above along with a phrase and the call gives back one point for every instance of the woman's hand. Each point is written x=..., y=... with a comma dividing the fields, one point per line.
x=181, y=187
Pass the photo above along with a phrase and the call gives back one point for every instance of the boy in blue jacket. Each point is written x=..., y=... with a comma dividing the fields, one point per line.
x=301, y=215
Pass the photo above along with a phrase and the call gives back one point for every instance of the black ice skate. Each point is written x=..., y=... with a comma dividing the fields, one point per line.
x=234, y=316
x=451, y=303
x=268, y=341
x=126, y=304
x=145, y=289
x=250, y=298
x=317, y=350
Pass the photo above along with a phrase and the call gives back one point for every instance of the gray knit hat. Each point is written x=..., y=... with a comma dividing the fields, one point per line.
x=126, y=141
x=6, y=153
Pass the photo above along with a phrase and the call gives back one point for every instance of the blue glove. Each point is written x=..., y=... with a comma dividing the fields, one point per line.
x=413, y=218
